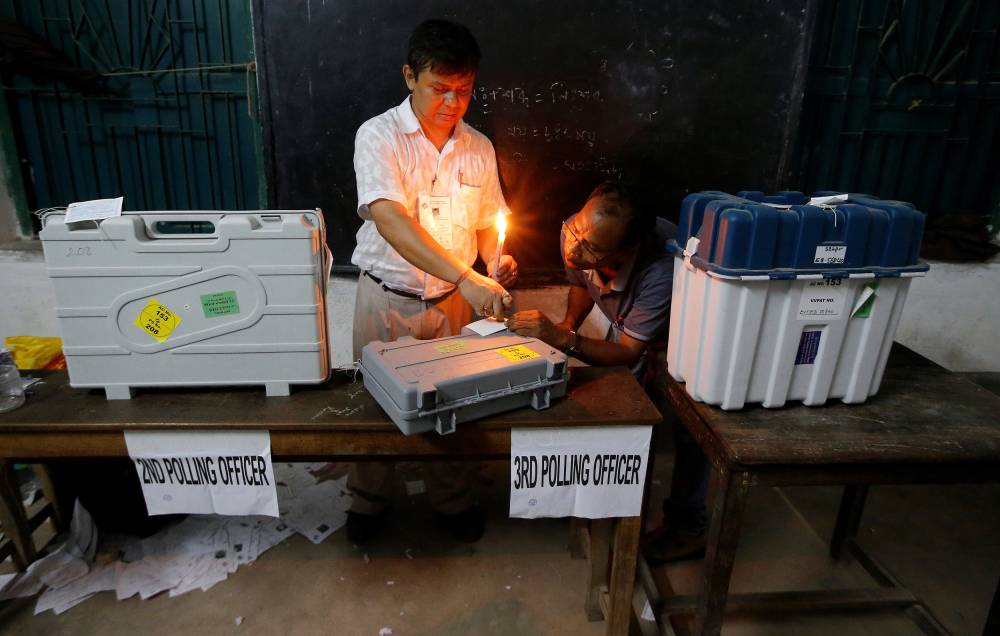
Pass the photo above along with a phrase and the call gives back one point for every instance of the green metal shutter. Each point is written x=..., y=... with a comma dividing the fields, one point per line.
x=179, y=130
x=903, y=102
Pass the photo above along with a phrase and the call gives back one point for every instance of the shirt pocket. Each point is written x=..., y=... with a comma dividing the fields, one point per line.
x=469, y=199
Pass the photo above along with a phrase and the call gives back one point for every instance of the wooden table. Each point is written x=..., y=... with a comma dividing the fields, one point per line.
x=926, y=425
x=337, y=421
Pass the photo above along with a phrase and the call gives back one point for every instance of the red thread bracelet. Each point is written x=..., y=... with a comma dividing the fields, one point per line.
x=463, y=276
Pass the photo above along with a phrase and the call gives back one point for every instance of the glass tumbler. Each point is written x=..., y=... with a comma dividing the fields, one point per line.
x=11, y=388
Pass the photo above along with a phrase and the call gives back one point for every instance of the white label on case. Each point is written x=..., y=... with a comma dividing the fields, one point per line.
x=824, y=299
x=830, y=254
x=834, y=198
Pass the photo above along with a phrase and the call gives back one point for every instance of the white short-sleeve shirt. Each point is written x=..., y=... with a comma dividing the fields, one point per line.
x=394, y=160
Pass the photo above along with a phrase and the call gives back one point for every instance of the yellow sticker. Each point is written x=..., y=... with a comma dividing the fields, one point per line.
x=156, y=320
x=517, y=353
x=449, y=347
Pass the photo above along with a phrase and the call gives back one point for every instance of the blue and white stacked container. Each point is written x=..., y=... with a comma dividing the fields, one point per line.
x=788, y=297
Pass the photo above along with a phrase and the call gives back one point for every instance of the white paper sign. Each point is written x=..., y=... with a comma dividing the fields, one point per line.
x=592, y=472
x=823, y=299
x=221, y=472
x=830, y=255
x=95, y=210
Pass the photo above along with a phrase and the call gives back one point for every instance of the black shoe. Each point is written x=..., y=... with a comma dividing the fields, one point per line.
x=666, y=545
x=467, y=526
x=362, y=528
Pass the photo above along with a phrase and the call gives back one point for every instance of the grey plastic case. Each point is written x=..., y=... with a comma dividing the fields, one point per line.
x=427, y=385
x=246, y=301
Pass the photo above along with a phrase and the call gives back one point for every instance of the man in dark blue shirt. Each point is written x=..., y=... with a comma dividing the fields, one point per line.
x=615, y=257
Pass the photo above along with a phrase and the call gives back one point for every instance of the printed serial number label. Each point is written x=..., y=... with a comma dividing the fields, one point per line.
x=220, y=304
x=450, y=347
x=517, y=353
x=156, y=320
x=830, y=254
x=822, y=299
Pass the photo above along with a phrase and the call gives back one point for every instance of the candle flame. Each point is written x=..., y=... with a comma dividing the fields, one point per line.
x=501, y=225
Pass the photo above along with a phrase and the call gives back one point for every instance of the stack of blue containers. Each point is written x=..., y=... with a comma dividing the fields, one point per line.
x=788, y=297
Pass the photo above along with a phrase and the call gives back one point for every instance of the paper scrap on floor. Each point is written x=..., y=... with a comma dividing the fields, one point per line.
x=320, y=511
x=25, y=585
x=195, y=553
x=5, y=579
x=148, y=577
x=647, y=612
x=296, y=477
x=59, y=599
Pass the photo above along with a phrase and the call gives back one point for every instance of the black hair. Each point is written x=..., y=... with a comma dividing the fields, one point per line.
x=621, y=201
x=444, y=47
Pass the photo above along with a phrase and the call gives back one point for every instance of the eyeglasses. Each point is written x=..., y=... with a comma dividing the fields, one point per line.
x=586, y=248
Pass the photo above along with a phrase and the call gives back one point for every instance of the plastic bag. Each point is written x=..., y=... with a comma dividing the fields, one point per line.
x=36, y=352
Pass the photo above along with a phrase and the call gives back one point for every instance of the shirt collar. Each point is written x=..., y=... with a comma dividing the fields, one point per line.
x=620, y=282
x=410, y=124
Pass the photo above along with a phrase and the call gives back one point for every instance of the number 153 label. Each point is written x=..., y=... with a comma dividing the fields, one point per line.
x=156, y=320
x=822, y=299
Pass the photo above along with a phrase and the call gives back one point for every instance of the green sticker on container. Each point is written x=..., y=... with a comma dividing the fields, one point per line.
x=863, y=306
x=220, y=304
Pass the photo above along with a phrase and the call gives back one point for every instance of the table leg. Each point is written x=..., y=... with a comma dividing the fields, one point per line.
x=600, y=550
x=624, y=559
x=49, y=490
x=577, y=547
x=731, y=490
x=852, y=505
x=13, y=519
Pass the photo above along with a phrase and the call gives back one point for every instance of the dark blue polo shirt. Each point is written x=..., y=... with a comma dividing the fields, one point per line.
x=637, y=300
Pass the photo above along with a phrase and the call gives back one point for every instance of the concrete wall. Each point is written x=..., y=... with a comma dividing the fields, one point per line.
x=27, y=301
x=951, y=316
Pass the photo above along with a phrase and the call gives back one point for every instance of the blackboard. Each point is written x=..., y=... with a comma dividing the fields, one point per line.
x=677, y=95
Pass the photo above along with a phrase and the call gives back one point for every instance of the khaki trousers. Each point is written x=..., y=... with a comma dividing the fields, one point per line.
x=380, y=314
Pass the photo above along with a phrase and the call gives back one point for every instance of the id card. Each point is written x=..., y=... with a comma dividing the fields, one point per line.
x=435, y=217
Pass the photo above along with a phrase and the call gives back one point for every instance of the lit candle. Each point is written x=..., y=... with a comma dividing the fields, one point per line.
x=501, y=235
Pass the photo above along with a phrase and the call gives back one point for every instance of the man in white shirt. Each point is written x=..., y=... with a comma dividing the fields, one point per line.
x=429, y=194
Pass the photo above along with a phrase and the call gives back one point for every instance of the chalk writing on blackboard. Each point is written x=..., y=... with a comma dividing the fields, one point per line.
x=549, y=133
x=526, y=97
x=601, y=165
